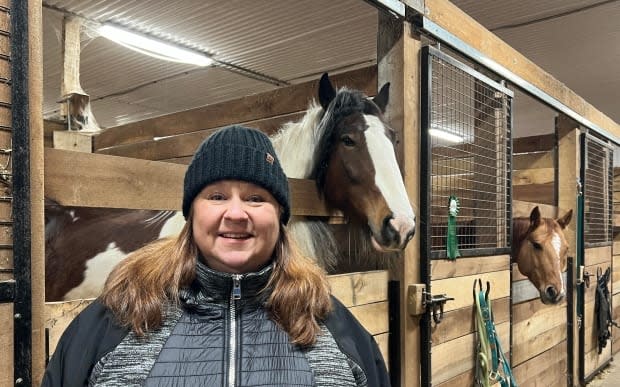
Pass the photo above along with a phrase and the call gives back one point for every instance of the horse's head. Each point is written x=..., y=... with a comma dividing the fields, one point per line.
x=355, y=165
x=540, y=250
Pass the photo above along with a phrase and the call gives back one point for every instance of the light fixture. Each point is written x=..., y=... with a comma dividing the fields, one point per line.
x=445, y=135
x=153, y=47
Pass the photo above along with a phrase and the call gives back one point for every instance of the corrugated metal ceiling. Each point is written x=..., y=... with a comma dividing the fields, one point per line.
x=293, y=41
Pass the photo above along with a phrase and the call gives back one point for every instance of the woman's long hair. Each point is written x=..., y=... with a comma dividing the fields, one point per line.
x=140, y=287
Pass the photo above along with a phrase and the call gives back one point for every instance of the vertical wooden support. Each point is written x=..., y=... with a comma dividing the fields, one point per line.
x=70, y=81
x=398, y=58
x=568, y=164
x=37, y=222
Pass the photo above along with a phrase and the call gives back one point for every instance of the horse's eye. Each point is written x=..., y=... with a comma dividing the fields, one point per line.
x=537, y=246
x=347, y=141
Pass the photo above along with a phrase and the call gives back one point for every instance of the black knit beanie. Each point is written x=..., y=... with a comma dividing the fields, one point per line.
x=237, y=153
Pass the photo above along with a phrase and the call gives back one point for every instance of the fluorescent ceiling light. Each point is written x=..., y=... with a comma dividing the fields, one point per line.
x=153, y=47
x=445, y=135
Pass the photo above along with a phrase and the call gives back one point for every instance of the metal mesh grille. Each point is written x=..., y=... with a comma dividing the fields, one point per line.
x=598, y=193
x=469, y=136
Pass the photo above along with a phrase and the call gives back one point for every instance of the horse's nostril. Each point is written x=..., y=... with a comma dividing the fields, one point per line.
x=551, y=292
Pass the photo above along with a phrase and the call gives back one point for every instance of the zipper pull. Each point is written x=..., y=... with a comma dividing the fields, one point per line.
x=236, y=290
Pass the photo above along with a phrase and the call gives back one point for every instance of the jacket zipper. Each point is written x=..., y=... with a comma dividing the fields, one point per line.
x=235, y=295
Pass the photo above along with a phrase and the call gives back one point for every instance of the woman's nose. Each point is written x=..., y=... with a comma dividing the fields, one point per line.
x=235, y=210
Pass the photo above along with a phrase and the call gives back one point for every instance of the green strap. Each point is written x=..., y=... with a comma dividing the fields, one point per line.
x=490, y=354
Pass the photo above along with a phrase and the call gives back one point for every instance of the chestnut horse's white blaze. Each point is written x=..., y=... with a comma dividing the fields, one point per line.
x=343, y=144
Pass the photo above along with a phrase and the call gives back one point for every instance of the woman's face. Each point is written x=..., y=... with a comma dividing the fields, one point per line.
x=235, y=225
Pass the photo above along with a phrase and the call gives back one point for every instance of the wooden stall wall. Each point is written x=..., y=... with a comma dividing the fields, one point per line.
x=533, y=174
x=539, y=331
x=454, y=339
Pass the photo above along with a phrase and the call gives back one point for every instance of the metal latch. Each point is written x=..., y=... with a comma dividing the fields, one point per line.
x=583, y=277
x=435, y=303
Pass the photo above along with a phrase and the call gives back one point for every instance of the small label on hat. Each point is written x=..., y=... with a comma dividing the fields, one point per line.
x=270, y=158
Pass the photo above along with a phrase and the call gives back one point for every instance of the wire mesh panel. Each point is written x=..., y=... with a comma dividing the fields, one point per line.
x=598, y=192
x=467, y=140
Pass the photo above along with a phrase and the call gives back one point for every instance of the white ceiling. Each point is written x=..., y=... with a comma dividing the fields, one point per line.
x=271, y=43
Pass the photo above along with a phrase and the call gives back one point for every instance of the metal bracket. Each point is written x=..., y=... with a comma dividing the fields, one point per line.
x=583, y=277
x=7, y=291
x=435, y=303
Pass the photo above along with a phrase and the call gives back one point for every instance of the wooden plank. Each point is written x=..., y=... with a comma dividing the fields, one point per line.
x=594, y=360
x=461, y=322
x=532, y=160
x=540, y=143
x=461, y=288
x=185, y=144
x=58, y=315
x=360, y=288
x=374, y=317
x=281, y=101
x=92, y=180
x=454, y=357
x=542, y=331
x=444, y=268
x=6, y=343
x=472, y=33
x=382, y=341
x=598, y=256
x=538, y=176
x=546, y=369
x=524, y=208
x=541, y=193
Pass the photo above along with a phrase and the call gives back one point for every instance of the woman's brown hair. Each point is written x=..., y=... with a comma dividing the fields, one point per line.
x=141, y=286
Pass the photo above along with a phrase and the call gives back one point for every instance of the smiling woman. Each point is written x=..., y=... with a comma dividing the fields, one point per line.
x=233, y=282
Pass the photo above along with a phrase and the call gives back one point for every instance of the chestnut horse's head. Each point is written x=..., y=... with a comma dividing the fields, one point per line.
x=540, y=250
x=355, y=165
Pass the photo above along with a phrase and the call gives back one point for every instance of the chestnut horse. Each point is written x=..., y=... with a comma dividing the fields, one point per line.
x=540, y=250
x=343, y=143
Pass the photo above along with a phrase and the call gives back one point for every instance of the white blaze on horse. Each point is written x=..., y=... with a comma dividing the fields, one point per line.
x=343, y=144
x=540, y=249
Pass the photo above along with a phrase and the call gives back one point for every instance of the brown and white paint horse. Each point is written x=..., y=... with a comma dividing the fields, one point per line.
x=540, y=249
x=343, y=143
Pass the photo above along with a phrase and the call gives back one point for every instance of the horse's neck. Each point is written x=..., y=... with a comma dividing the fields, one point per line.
x=295, y=143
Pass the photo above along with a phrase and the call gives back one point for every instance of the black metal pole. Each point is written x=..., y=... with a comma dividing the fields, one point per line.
x=21, y=194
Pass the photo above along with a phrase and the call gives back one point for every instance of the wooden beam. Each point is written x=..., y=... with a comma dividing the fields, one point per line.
x=92, y=180
x=472, y=33
x=282, y=101
x=184, y=145
x=398, y=53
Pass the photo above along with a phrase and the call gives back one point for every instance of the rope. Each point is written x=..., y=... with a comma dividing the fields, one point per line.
x=491, y=364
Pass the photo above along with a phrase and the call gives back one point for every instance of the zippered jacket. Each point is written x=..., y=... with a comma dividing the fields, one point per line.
x=219, y=334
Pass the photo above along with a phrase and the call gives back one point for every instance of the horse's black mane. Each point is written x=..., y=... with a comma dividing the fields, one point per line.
x=345, y=103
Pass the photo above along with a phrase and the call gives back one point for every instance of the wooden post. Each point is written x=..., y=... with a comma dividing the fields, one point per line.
x=568, y=164
x=398, y=58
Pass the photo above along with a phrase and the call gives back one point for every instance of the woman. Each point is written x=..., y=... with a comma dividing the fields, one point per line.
x=230, y=301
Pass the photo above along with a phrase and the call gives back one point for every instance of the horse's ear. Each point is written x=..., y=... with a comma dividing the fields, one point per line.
x=565, y=220
x=326, y=91
x=382, y=98
x=534, y=218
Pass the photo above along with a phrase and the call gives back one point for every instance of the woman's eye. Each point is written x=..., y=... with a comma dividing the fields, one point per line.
x=255, y=199
x=347, y=141
x=216, y=196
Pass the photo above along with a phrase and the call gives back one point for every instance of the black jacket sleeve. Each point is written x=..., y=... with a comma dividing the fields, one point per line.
x=358, y=344
x=91, y=335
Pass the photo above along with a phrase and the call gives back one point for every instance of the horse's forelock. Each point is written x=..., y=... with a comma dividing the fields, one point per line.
x=346, y=103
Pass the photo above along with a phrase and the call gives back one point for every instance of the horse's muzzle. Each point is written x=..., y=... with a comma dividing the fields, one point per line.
x=396, y=232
